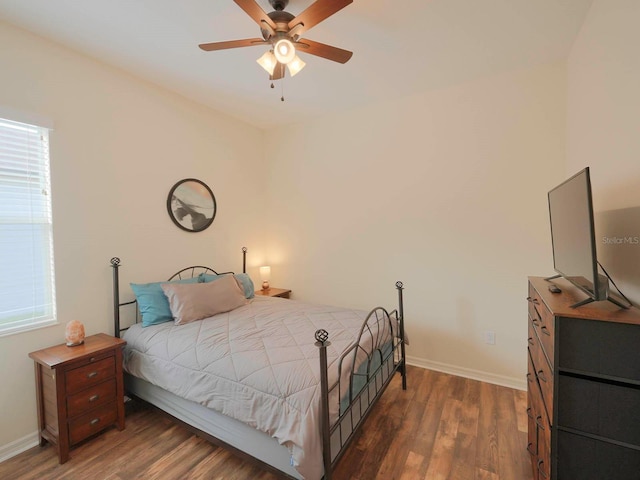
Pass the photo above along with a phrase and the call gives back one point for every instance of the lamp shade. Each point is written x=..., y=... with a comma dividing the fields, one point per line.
x=284, y=51
x=268, y=61
x=295, y=65
x=265, y=273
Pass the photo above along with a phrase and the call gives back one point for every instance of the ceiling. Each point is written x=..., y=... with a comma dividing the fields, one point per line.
x=400, y=47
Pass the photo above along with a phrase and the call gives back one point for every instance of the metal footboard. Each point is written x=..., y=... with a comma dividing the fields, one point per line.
x=371, y=363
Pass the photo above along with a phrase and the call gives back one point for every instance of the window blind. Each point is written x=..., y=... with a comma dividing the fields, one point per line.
x=27, y=290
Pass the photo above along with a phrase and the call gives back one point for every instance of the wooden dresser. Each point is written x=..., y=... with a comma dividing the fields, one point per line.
x=80, y=390
x=583, y=386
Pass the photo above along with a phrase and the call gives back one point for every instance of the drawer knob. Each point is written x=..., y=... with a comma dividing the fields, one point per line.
x=93, y=398
x=542, y=376
x=545, y=330
x=529, y=414
x=92, y=374
x=530, y=449
x=533, y=300
x=543, y=475
x=530, y=340
x=540, y=425
x=94, y=421
x=92, y=359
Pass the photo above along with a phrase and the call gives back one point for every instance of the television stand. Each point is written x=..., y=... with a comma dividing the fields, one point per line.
x=590, y=299
x=609, y=299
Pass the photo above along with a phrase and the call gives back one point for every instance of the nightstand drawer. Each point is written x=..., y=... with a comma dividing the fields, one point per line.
x=80, y=378
x=92, y=422
x=92, y=397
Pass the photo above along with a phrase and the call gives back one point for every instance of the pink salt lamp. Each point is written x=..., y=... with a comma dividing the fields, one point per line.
x=74, y=333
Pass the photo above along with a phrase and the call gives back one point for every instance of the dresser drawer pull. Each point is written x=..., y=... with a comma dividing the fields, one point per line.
x=92, y=374
x=540, y=426
x=530, y=449
x=530, y=340
x=533, y=300
x=93, y=398
x=529, y=414
x=94, y=421
x=542, y=376
x=529, y=379
x=544, y=475
x=545, y=330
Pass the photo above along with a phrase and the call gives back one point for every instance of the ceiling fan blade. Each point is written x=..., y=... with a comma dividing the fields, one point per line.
x=278, y=72
x=247, y=42
x=325, y=51
x=316, y=13
x=254, y=10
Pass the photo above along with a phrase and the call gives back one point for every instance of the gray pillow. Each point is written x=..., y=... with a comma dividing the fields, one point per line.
x=195, y=301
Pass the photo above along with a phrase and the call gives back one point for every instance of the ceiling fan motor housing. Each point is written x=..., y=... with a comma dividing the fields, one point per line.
x=281, y=19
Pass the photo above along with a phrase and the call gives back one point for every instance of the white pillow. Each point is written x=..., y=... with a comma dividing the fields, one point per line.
x=195, y=301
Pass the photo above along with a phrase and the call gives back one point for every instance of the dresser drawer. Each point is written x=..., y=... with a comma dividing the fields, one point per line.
x=594, y=407
x=544, y=323
x=91, y=397
x=604, y=348
x=83, y=377
x=584, y=458
x=92, y=422
x=544, y=376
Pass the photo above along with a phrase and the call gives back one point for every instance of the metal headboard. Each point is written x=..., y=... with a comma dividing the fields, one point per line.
x=188, y=272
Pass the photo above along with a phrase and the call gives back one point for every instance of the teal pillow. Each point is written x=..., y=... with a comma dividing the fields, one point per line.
x=247, y=284
x=153, y=303
x=243, y=278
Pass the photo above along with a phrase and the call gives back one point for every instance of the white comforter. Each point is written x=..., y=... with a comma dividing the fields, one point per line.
x=257, y=364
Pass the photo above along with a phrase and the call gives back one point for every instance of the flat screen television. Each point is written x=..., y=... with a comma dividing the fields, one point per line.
x=574, y=240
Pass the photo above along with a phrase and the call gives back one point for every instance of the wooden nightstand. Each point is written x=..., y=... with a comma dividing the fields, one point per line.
x=274, y=292
x=80, y=391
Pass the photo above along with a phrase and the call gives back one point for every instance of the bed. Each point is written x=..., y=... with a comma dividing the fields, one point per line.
x=284, y=383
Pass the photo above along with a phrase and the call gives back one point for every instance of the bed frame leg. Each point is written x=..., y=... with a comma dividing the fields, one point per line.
x=322, y=342
x=403, y=368
x=115, y=263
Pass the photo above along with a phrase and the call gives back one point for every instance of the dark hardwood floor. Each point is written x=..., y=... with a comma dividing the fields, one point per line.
x=442, y=427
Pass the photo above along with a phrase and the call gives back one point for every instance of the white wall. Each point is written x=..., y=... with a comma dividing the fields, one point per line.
x=445, y=191
x=118, y=147
x=604, y=131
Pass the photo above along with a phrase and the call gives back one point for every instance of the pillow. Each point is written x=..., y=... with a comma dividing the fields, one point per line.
x=244, y=280
x=153, y=303
x=202, y=300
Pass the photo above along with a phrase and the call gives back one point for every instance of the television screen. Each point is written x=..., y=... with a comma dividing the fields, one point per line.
x=573, y=235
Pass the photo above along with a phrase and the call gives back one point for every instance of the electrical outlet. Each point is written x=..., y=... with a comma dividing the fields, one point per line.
x=490, y=337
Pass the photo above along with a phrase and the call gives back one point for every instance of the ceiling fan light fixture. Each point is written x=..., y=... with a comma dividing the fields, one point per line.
x=295, y=66
x=284, y=51
x=268, y=61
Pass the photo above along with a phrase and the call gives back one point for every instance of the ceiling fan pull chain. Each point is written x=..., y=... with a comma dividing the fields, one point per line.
x=282, y=89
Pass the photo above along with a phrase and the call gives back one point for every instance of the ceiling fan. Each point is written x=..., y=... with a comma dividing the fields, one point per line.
x=282, y=31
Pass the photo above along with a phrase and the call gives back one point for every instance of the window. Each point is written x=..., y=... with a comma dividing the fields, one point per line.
x=27, y=290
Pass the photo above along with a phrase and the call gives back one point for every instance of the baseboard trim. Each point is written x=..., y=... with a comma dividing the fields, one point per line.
x=501, y=380
x=18, y=446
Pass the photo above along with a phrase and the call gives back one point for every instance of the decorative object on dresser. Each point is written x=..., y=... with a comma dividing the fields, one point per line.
x=191, y=205
x=583, y=386
x=74, y=333
x=79, y=391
